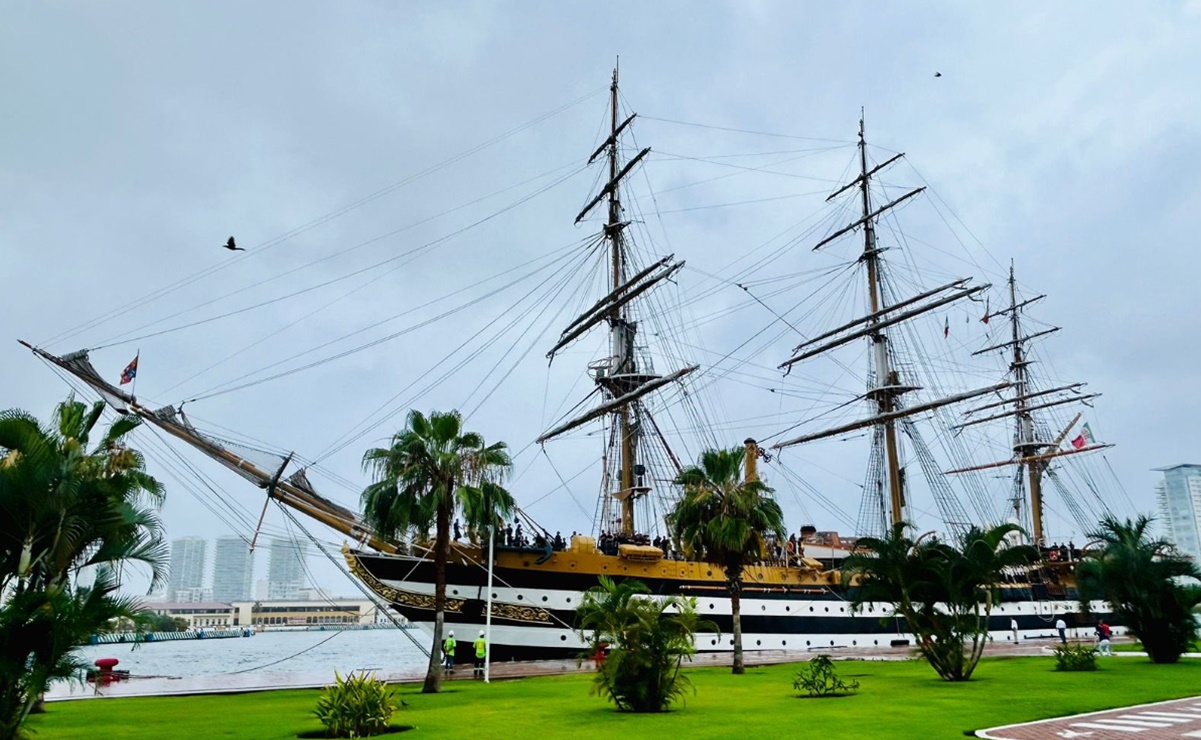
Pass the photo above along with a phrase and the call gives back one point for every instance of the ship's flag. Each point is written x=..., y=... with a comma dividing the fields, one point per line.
x=1085, y=438
x=130, y=372
x=946, y=328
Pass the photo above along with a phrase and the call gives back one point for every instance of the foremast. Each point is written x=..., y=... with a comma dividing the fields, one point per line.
x=621, y=378
x=886, y=388
x=1031, y=454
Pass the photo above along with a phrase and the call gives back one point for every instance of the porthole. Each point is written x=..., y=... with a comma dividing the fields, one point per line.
x=568, y=599
x=842, y=608
x=875, y=642
x=456, y=592
x=519, y=597
x=563, y=638
x=604, y=567
x=783, y=642
x=731, y=640
x=764, y=607
x=525, y=564
x=494, y=596
x=806, y=643
x=573, y=564
x=758, y=642
x=708, y=572
x=827, y=608
x=713, y=642
x=546, y=598
x=810, y=608
x=831, y=643
x=854, y=642
x=710, y=607
x=787, y=608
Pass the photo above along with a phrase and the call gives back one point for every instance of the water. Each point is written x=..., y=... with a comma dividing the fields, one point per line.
x=266, y=659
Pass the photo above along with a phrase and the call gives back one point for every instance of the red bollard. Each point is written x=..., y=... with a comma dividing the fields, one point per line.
x=105, y=675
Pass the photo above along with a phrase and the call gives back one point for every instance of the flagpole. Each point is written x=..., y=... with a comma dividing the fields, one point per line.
x=488, y=609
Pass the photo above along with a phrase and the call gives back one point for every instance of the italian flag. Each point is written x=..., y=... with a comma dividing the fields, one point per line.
x=1085, y=438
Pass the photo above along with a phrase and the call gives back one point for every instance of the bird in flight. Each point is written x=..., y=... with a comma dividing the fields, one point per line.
x=938, y=74
x=232, y=246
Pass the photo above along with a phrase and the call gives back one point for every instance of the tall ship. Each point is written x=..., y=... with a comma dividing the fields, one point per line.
x=884, y=393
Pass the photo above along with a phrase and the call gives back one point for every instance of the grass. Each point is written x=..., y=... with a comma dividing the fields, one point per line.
x=896, y=700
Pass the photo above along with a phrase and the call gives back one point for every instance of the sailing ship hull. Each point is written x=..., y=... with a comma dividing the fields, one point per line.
x=533, y=603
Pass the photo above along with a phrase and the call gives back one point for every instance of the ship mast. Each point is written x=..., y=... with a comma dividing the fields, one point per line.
x=621, y=331
x=1031, y=455
x=621, y=378
x=1024, y=444
x=887, y=386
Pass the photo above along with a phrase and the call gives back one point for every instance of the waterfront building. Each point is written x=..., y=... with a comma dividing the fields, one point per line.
x=285, y=569
x=198, y=613
x=233, y=569
x=299, y=613
x=1179, y=497
x=187, y=567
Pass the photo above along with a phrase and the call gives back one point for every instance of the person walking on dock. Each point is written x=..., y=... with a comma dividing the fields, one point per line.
x=448, y=652
x=481, y=650
x=1060, y=625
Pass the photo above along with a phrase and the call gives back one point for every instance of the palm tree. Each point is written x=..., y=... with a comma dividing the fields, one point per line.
x=66, y=507
x=1141, y=578
x=648, y=639
x=431, y=469
x=944, y=592
x=725, y=519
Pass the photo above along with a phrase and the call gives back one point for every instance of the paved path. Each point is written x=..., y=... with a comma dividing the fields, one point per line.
x=1166, y=719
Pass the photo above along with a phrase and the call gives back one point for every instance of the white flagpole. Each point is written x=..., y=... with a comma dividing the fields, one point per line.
x=488, y=612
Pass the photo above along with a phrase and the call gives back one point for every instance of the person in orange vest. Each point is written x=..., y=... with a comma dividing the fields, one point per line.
x=481, y=651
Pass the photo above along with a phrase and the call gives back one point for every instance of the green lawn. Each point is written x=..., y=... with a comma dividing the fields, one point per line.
x=896, y=700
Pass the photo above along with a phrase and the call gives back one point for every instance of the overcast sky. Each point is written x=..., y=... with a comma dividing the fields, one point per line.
x=137, y=137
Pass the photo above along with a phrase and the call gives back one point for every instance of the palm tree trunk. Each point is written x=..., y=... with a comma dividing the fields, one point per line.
x=433, y=676
x=734, y=584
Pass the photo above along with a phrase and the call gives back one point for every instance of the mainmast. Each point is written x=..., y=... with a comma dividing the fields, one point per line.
x=886, y=386
x=621, y=378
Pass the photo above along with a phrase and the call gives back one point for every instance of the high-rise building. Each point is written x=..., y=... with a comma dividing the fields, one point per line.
x=1179, y=495
x=233, y=569
x=285, y=569
x=187, y=567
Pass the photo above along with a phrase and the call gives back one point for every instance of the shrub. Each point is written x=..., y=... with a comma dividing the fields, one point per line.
x=647, y=639
x=820, y=679
x=356, y=706
x=1075, y=657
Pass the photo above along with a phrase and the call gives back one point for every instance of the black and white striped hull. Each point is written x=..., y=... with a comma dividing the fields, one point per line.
x=533, y=612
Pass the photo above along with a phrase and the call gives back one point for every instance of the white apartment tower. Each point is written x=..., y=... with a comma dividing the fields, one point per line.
x=1179, y=496
x=186, y=577
x=233, y=569
x=285, y=569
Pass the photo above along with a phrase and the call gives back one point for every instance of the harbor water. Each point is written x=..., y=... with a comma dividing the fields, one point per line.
x=268, y=659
